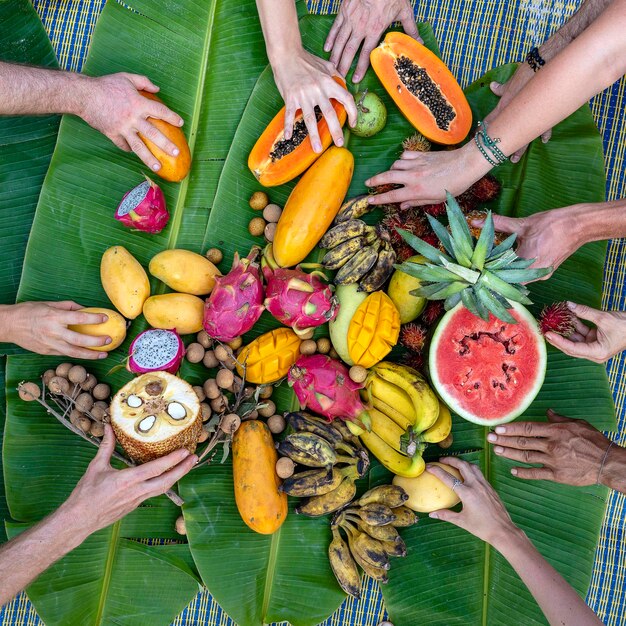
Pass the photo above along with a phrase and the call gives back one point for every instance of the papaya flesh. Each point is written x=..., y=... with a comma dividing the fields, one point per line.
x=312, y=206
x=173, y=168
x=423, y=88
x=275, y=160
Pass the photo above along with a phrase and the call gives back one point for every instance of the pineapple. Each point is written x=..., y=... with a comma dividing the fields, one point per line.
x=473, y=271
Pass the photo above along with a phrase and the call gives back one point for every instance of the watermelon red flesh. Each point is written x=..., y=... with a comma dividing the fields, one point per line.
x=487, y=372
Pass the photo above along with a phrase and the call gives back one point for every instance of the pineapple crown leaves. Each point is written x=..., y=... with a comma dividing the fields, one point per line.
x=484, y=277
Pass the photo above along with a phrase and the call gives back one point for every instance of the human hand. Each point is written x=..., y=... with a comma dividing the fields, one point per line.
x=363, y=22
x=113, y=105
x=104, y=494
x=42, y=327
x=569, y=451
x=426, y=176
x=598, y=344
x=507, y=91
x=305, y=82
x=483, y=513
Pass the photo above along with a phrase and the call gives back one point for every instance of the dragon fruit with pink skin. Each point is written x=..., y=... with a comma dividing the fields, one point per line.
x=156, y=350
x=236, y=302
x=298, y=299
x=323, y=386
x=143, y=208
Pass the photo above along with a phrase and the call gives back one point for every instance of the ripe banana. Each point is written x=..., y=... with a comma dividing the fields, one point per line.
x=374, y=514
x=344, y=231
x=369, y=550
x=404, y=517
x=331, y=501
x=386, y=429
x=382, y=533
x=399, y=418
x=304, y=422
x=393, y=396
x=310, y=483
x=337, y=257
x=413, y=383
x=381, y=271
x=358, y=265
x=344, y=566
x=308, y=449
x=354, y=208
x=441, y=428
x=394, y=548
x=395, y=462
x=389, y=495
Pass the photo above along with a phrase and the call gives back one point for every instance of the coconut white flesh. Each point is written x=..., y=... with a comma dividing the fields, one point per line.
x=177, y=396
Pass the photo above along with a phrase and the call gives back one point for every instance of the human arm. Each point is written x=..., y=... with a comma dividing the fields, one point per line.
x=363, y=22
x=42, y=327
x=111, y=104
x=485, y=516
x=102, y=496
x=569, y=451
x=578, y=72
x=303, y=80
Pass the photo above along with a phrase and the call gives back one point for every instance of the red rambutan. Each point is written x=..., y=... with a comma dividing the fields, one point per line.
x=486, y=189
x=413, y=337
x=414, y=360
x=403, y=251
x=436, y=210
x=557, y=318
x=431, y=238
x=433, y=311
x=467, y=201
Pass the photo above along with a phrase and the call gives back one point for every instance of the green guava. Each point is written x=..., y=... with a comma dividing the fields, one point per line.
x=372, y=114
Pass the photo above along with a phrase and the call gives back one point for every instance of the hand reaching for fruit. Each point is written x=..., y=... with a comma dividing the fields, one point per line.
x=42, y=327
x=363, y=22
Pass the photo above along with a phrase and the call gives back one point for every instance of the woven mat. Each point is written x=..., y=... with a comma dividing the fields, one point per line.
x=474, y=36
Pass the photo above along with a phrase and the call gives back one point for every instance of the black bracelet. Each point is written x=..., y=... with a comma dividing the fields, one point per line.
x=534, y=59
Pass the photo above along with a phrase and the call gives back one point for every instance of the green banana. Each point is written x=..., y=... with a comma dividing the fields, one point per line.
x=390, y=495
x=309, y=483
x=394, y=548
x=381, y=271
x=358, y=265
x=353, y=208
x=331, y=501
x=344, y=231
x=375, y=514
x=404, y=517
x=344, y=566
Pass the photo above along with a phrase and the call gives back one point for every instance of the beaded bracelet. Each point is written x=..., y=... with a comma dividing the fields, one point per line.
x=534, y=59
x=488, y=146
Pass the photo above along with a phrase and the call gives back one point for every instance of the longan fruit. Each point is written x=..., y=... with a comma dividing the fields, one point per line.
x=256, y=227
x=204, y=435
x=218, y=405
x=266, y=392
x=97, y=429
x=237, y=384
x=195, y=353
x=211, y=390
x=101, y=391
x=84, y=423
x=324, y=345
x=230, y=423
x=28, y=391
x=271, y=213
x=199, y=392
x=64, y=369
x=97, y=412
x=205, y=411
x=47, y=376
x=333, y=354
x=252, y=415
x=89, y=383
x=204, y=339
x=215, y=255
x=75, y=416
x=306, y=334
x=181, y=529
x=259, y=200
x=285, y=467
x=210, y=360
x=358, y=373
x=84, y=402
x=230, y=363
x=308, y=347
x=224, y=379
x=270, y=231
x=268, y=410
x=59, y=385
x=276, y=424
x=77, y=374
x=222, y=353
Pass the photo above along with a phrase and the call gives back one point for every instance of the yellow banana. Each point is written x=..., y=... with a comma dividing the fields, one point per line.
x=440, y=429
x=410, y=467
x=392, y=395
x=344, y=566
x=400, y=419
x=423, y=397
x=386, y=429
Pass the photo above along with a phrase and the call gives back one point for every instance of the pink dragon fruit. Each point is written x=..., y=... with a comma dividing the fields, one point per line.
x=143, y=208
x=156, y=350
x=323, y=385
x=298, y=299
x=236, y=302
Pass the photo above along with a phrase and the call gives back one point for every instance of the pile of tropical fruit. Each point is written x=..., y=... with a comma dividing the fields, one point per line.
x=424, y=315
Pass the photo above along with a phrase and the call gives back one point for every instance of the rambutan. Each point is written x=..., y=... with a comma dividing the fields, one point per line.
x=413, y=337
x=403, y=251
x=430, y=238
x=379, y=189
x=416, y=143
x=436, y=210
x=557, y=318
x=481, y=214
x=467, y=201
x=413, y=359
x=486, y=189
x=433, y=311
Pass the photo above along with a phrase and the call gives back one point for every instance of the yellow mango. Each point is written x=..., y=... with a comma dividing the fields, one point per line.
x=427, y=493
x=184, y=271
x=180, y=311
x=269, y=357
x=124, y=280
x=373, y=330
x=114, y=327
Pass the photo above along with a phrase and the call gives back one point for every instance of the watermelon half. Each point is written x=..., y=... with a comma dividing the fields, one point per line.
x=487, y=372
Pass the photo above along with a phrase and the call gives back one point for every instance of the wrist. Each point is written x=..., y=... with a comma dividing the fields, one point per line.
x=507, y=538
x=474, y=165
x=79, y=94
x=7, y=326
x=282, y=52
x=611, y=474
x=70, y=521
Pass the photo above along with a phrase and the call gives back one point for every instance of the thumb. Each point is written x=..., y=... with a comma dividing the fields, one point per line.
x=578, y=349
x=506, y=224
x=555, y=418
x=586, y=312
x=142, y=83
x=106, y=448
x=445, y=515
x=497, y=88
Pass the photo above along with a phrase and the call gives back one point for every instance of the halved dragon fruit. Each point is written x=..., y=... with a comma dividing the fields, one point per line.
x=143, y=208
x=156, y=350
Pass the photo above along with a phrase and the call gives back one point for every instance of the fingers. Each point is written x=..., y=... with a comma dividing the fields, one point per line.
x=533, y=473
x=141, y=150
x=103, y=457
x=524, y=429
x=446, y=515
x=290, y=114
x=85, y=341
x=157, y=467
x=310, y=120
x=333, y=124
x=468, y=470
x=142, y=83
x=151, y=132
x=159, y=111
x=517, y=155
x=410, y=27
x=364, y=59
x=497, y=88
x=334, y=31
x=65, y=305
x=68, y=349
x=519, y=443
x=586, y=312
x=410, y=154
x=386, y=178
x=445, y=477
x=555, y=418
x=581, y=328
x=160, y=484
x=506, y=224
x=349, y=52
x=392, y=197
x=545, y=137
x=80, y=317
x=523, y=456
x=345, y=97
x=579, y=350
x=340, y=43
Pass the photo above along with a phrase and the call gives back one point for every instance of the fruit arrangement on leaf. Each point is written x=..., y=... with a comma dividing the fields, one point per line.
x=371, y=114
x=265, y=225
x=370, y=525
x=427, y=493
x=143, y=208
x=184, y=271
x=179, y=311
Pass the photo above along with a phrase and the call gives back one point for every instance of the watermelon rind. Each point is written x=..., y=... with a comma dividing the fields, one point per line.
x=451, y=400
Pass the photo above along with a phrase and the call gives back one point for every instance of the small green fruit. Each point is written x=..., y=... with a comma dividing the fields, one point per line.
x=399, y=290
x=372, y=114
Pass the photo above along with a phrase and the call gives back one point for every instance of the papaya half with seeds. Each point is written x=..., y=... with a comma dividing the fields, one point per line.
x=261, y=506
x=312, y=206
x=173, y=168
x=423, y=88
x=275, y=160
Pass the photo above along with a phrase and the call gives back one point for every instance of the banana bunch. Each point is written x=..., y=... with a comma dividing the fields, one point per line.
x=336, y=457
x=360, y=253
x=370, y=525
x=405, y=415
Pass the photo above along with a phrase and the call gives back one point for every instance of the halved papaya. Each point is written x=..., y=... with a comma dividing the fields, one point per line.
x=423, y=88
x=275, y=160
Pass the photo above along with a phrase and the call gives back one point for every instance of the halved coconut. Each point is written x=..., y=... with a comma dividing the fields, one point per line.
x=155, y=414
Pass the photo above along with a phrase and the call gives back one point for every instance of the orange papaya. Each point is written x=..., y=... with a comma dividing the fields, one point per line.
x=173, y=168
x=312, y=206
x=275, y=160
x=261, y=505
x=423, y=88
